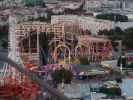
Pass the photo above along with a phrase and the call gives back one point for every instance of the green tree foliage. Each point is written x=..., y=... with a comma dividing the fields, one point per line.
x=84, y=61
x=4, y=44
x=62, y=75
x=113, y=17
x=4, y=36
x=111, y=91
x=3, y=31
x=128, y=38
x=43, y=39
x=113, y=34
x=130, y=65
x=117, y=34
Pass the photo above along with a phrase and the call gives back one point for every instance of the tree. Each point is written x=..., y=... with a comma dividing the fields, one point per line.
x=113, y=17
x=128, y=38
x=113, y=91
x=43, y=39
x=4, y=36
x=4, y=44
x=123, y=61
x=118, y=34
x=130, y=65
x=113, y=34
x=62, y=75
x=84, y=61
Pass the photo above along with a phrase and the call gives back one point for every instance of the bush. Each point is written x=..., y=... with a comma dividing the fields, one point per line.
x=118, y=34
x=62, y=75
x=113, y=17
x=130, y=65
x=111, y=91
x=4, y=44
x=84, y=61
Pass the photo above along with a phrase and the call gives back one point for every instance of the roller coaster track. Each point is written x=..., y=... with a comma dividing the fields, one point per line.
x=42, y=83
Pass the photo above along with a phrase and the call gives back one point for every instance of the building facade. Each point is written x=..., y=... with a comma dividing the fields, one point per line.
x=85, y=23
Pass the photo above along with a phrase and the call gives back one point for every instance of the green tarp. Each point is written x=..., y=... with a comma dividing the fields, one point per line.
x=33, y=2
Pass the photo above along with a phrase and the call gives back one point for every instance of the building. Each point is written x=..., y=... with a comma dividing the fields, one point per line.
x=85, y=23
x=10, y=3
x=60, y=6
x=124, y=25
x=93, y=5
x=100, y=5
x=129, y=4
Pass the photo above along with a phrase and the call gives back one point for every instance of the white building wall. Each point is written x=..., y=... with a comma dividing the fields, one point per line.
x=129, y=4
x=124, y=25
x=96, y=5
x=89, y=23
x=9, y=3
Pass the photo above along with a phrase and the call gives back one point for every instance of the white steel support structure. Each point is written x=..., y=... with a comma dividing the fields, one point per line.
x=13, y=50
x=38, y=47
x=12, y=38
x=60, y=32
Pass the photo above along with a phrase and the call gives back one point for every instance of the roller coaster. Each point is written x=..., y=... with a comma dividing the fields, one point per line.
x=36, y=44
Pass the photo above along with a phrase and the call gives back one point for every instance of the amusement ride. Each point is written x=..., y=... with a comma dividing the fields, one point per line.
x=42, y=47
